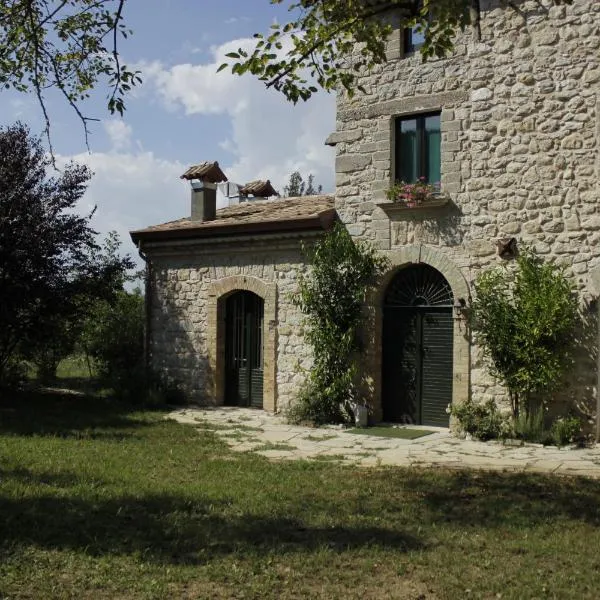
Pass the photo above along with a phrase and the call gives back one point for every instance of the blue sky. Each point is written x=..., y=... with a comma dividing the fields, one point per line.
x=185, y=113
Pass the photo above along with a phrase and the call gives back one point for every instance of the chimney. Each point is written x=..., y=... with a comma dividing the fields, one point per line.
x=203, y=179
x=204, y=201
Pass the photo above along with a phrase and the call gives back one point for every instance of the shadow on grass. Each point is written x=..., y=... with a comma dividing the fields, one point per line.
x=64, y=413
x=172, y=530
x=488, y=499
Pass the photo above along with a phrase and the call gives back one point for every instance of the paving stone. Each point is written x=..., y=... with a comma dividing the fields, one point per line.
x=343, y=447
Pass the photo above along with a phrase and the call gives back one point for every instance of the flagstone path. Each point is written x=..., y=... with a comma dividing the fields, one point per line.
x=252, y=430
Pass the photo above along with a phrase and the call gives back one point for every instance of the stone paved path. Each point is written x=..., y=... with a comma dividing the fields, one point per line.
x=251, y=430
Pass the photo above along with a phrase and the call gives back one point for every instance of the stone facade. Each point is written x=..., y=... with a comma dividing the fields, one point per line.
x=519, y=158
x=518, y=108
x=188, y=283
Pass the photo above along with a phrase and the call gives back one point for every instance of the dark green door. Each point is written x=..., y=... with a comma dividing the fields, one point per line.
x=244, y=350
x=418, y=332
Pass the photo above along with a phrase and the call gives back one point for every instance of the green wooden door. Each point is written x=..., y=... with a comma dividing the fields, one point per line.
x=418, y=332
x=244, y=350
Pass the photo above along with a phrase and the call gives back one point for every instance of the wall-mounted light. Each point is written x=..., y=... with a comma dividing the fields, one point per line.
x=460, y=307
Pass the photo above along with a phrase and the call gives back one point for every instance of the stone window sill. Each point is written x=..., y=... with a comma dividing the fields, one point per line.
x=439, y=201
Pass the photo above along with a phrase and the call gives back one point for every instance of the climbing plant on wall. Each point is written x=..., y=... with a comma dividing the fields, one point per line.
x=331, y=295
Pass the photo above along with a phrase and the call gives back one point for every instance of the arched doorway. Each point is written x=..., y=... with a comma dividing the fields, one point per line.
x=244, y=316
x=417, y=338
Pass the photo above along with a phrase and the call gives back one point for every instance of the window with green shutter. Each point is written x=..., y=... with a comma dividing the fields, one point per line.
x=418, y=148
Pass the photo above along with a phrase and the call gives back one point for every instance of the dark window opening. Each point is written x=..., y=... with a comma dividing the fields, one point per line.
x=418, y=149
x=414, y=38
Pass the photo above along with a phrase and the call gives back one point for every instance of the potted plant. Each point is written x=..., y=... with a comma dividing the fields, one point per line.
x=413, y=194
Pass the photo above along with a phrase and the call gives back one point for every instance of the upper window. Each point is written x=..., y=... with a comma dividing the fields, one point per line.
x=418, y=152
x=413, y=39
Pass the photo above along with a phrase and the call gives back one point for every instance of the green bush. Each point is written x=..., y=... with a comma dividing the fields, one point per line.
x=523, y=316
x=482, y=421
x=319, y=407
x=565, y=430
x=114, y=338
x=529, y=427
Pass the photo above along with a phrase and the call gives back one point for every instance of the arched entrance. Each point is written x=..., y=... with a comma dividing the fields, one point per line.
x=244, y=316
x=418, y=332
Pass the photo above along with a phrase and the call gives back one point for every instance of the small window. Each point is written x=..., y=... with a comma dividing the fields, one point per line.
x=413, y=40
x=418, y=148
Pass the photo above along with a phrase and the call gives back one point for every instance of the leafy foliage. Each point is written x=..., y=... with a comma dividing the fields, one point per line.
x=298, y=187
x=565, y=430
x=114, y=337
x=328, y=43
x=482, y=421
x=319, y=42
x=529, y=426
x=524, y=320
x=50, y=264
x=69, y=46
x=332, y=296
x=62, y=332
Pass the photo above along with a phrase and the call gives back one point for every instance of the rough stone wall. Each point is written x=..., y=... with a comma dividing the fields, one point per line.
x=520, y=130
x=180, y=327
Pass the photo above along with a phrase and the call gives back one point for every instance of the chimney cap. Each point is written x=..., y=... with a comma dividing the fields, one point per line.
x=262, y=189
x=207, y=171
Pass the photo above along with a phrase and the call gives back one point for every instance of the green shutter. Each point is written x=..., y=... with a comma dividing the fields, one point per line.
x=433, y=148
x=406, y=150
x=418, y=334
x=244, y=350
x=436, y=388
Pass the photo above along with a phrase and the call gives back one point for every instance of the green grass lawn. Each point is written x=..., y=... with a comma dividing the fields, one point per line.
x=98, y=502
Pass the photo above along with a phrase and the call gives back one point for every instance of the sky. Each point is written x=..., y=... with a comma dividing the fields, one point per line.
x=182, y=114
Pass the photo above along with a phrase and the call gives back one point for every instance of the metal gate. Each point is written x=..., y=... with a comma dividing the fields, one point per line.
x=418, y=333
x=244, y=350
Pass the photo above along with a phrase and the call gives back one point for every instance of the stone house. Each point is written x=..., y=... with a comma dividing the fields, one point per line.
x=508, y=123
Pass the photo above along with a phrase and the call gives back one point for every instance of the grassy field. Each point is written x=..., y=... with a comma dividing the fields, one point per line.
x=100, y=502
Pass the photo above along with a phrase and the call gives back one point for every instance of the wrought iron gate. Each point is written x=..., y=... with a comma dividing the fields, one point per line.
x=418, y=331
x=244, y=350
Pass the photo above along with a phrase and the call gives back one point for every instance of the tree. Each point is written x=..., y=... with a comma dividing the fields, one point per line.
x=298, y=187
x=318, y=43
x=524, y=320
x=50, y=263
x=62, y=331
x=68, y=45
x=113, y=335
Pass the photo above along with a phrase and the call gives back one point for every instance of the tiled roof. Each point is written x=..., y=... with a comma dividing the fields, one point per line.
x=308, y=212
x=264, y=189
x=207, y=171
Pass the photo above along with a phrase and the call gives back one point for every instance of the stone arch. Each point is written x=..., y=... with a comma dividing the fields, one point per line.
x=218, y=292
x=399, y=258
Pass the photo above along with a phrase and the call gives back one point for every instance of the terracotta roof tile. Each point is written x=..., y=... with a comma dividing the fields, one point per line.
x=264, y=189
x=250, y=215
x=207, y=171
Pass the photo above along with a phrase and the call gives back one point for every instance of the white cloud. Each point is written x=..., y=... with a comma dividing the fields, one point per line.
x=270, y=137
x=119, y=133
x=131, y=191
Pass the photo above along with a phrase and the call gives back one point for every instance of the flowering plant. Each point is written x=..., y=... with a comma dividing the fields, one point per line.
x=413, y=194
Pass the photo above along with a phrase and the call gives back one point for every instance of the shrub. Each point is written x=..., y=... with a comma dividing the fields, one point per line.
x=320, y=407
x=524, y=317
x=565, y=430
x=482, y=421
x=529, y=427
x=114, y=337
